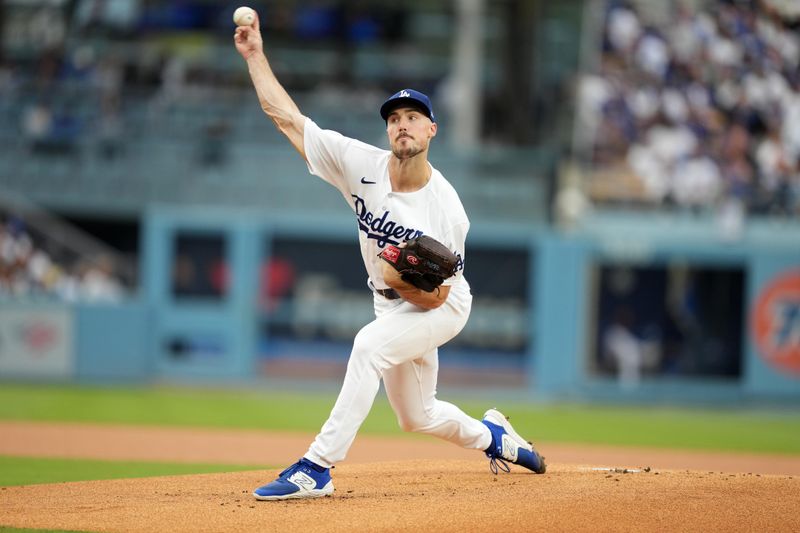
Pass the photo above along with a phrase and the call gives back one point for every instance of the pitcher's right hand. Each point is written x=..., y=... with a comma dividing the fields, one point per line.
x=248, y=39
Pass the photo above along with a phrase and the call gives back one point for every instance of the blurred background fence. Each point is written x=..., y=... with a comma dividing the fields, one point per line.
x=631, y=170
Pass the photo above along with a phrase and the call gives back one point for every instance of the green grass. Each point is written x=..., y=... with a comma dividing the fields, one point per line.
x=684, y=428
x=30, y=470
x=710, y=430
x=246, y=409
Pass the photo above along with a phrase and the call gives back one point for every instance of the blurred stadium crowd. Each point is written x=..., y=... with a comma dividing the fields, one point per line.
x=80, y=69
x=694, y=109
x=30, y=267
x=701, y=109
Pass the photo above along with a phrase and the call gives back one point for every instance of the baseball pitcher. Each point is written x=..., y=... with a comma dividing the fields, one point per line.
x=412, y=229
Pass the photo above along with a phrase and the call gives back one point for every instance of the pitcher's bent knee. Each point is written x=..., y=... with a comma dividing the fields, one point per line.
x=365, y=349
x=416, y=423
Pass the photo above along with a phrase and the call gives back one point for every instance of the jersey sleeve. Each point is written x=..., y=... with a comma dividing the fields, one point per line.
x=455, y=240
x=325, y=151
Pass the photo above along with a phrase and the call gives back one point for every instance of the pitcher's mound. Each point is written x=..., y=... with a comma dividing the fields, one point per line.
x=422, y=496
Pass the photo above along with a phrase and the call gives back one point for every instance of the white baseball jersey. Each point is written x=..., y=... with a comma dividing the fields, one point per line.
x=361, y=173
x=400, y=346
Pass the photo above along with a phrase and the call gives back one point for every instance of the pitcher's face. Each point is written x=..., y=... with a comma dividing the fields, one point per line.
x=410, y=132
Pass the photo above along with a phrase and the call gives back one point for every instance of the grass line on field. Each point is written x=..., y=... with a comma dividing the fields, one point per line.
x=679, y=428
x=34, y=470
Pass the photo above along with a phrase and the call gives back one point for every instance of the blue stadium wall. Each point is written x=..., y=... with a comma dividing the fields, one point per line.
x=136, y=341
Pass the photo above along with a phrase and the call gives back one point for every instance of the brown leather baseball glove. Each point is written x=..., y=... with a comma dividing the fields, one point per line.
x=423, y=262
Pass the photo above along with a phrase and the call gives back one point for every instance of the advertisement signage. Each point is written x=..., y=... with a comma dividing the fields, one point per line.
x=36, y=343
x=775, y=323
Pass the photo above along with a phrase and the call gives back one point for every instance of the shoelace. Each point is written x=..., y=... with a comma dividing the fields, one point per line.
x=497, y=463
x=290, y=470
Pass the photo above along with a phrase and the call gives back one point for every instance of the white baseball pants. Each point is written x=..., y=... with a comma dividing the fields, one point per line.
x=401, y=347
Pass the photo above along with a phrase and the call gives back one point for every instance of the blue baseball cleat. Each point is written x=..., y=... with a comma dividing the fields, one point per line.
x=507, y=445
x=303, y=479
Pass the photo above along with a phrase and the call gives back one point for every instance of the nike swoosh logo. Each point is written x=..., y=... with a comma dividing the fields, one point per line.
x=365, y=181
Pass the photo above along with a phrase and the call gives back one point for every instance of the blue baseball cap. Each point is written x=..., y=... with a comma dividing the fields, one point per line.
x=408, y=97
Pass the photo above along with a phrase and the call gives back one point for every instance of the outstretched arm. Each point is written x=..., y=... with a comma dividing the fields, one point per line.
x=274, y=99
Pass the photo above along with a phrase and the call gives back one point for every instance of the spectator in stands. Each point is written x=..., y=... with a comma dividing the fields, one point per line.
x=703, y=109
x=29, y=270
x=107, y=82
x=696, y=179
x=15, y=248
x=37, y=123
x=97, y=282
x=623, y=348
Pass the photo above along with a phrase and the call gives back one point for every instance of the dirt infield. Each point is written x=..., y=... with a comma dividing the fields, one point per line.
x=395, y=484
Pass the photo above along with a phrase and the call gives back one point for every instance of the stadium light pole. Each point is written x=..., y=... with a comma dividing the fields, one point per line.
x=466, y=83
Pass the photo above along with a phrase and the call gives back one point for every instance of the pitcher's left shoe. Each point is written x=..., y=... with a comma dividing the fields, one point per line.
x=303, y=479
x=507, y=445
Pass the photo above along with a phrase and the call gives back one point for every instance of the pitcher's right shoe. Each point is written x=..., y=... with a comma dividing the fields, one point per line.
x=303, y=479
x=507, y=445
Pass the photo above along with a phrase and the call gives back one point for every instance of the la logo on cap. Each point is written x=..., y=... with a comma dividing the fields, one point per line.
x=404, y=94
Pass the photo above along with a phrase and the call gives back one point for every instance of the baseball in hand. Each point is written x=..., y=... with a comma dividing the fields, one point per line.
x=244, y=16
